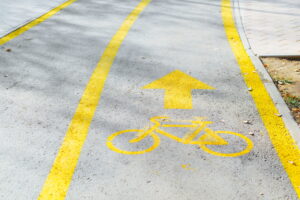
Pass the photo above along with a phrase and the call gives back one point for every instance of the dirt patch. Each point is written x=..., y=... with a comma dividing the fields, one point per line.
x=285, y=73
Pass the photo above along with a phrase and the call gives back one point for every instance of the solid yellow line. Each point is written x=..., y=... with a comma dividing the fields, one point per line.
x=33, y=23
x=59, y=178
x=286, y=147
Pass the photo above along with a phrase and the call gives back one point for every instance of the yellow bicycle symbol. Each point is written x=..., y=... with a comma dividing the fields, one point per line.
x=208, y=139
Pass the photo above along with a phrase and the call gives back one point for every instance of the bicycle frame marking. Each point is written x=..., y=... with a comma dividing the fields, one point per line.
x=209, y=138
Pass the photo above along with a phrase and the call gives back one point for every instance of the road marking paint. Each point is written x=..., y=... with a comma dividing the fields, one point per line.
x=187, y=167
x=111, y=146
x=60, y=176
x=209, y=137
x=178, y=88
x=33, y=23
x=283, y=142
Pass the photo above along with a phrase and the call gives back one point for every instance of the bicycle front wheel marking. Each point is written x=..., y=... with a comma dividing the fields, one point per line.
x=246, y=150
x=111, y=146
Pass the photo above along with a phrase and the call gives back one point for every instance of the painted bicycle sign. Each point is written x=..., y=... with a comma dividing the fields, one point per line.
x=206, y=141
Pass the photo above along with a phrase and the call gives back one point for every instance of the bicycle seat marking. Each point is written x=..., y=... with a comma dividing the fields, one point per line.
x=207, y=141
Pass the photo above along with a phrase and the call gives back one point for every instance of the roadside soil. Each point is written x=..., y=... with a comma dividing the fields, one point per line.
x=285, y=73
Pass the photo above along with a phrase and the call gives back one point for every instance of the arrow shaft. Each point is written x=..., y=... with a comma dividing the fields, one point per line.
x=178, y=99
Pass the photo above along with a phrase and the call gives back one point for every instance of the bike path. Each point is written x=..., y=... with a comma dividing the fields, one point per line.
x=188, y=37
x=182, y=38
x=41, y=82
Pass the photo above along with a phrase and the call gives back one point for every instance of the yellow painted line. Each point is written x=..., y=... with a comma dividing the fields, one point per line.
x=178, y=88
x=33, y=23
x=60, y=176
x=286, y=147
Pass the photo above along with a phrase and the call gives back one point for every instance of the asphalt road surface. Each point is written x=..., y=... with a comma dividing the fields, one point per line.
x=175, y=118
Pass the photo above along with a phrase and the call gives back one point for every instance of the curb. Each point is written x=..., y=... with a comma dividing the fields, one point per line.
x=283, y=109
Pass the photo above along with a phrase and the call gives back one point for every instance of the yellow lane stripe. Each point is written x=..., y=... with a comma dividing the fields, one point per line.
x=33, y=23
x=59, y=178
x=286, y=147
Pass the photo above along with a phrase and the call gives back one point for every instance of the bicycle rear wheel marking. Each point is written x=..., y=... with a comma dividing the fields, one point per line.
x=243, y=152
x=111, y=146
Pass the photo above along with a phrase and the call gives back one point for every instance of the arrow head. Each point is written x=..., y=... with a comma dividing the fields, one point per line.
x=178, y=80
x=178, y=88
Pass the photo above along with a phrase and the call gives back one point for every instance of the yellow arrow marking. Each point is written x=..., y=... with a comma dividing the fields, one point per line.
x=178, y=88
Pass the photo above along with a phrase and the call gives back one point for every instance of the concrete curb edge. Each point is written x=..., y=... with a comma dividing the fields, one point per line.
x=283, y=109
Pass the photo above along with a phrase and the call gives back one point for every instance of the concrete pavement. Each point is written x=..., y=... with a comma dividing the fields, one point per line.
x=51, y=66
x=272, y=27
